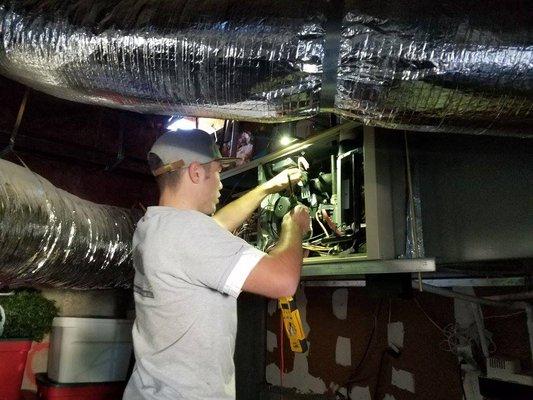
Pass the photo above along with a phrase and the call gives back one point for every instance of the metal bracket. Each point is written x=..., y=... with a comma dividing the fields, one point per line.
x=11, y=146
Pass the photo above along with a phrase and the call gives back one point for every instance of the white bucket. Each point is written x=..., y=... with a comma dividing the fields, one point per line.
x=89, y=350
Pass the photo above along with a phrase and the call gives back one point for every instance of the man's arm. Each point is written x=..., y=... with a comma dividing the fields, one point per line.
x=277, y=274
x=235, y=213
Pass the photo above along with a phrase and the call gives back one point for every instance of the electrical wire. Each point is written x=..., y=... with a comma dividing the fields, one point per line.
x=315, y=238
x=428, y=317
x=228, y=196
x=351, y=379
x=505, y=315
x=330, y=223
x=281, y=355
x=455, y=336
x=321, y=224
x=462, y=382
x=315, y=247
x=378, y=375
x=311, y=229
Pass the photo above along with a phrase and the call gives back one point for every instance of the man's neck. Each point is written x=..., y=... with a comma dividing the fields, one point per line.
x=174, y=199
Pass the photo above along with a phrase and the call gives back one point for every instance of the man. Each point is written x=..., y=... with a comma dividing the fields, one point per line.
x=189, y=271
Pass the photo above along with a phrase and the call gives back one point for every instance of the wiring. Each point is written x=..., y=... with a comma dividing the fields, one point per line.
x=318, y=248
x=312, y=243
x=315, y=238
x=462, y=383
x=249, y=226
x=456, y=336
x=428, y=317
x=321, y=224
x=281, y=355
x=453, y=338
x=228, y=196
x=311, y=230
x=330, y=223
x=505, y=315
x=378, y=374
x=315, y=247
x=352, y=378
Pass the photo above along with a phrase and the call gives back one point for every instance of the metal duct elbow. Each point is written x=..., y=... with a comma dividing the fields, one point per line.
x=52, y=238
x=450, y=66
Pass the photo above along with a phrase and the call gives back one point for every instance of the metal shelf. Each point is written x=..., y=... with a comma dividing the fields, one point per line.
x=359, y=281
x=350, y=266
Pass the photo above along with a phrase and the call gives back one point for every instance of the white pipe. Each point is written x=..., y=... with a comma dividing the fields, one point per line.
x=465, y=297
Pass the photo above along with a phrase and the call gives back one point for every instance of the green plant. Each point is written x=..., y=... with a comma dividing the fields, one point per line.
x=28, y=315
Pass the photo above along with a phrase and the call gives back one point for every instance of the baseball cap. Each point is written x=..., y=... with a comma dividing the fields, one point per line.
x=181, y=148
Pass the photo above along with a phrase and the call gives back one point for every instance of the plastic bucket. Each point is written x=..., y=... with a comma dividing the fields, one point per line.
x=13, y=354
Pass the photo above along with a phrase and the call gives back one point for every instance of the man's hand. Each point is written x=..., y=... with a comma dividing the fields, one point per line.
x=300, y=216
x=281, y=180
x=235, y=213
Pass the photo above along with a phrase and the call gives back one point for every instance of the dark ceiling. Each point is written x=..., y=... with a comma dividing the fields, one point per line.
x=77, y=133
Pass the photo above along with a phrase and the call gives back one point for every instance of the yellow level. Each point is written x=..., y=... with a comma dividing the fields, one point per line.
x=293, y=324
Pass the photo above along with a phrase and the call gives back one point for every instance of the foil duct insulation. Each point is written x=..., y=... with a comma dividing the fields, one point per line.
x=228, y=59
x=451, y=66
x=51, y=238
x=414, y=238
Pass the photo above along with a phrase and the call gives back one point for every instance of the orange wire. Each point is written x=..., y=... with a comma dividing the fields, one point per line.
x=281, y=358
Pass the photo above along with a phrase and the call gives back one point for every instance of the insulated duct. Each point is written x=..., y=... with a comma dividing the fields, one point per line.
x=453, y=66
x=450, y=66
x=227, y=59
x=52, y=238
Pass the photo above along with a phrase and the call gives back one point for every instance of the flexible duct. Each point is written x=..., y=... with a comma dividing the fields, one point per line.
x=456, y=66
x=228, y=59
x=421, y=65
x=52, y=238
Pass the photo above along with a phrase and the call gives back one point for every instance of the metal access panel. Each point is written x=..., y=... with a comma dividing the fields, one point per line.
x=476, y=194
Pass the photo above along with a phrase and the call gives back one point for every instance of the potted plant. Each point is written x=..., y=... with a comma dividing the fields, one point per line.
x=25, y=316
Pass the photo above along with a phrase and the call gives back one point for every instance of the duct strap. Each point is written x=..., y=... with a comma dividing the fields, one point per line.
x=334, y=13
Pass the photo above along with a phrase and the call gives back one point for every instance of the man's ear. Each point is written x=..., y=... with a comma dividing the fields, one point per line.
x=194, y=170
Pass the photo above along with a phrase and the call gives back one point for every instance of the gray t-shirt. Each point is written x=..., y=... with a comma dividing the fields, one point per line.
x=189, y=272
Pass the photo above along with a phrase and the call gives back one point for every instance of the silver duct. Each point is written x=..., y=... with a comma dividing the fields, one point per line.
x=223, y=59
x=421, y=65
x=455, y=66
x=52, y=238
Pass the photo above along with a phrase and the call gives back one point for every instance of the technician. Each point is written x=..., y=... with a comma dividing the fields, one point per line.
x=190, y=269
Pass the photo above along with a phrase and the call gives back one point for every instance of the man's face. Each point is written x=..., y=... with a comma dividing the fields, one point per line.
x=212, y=187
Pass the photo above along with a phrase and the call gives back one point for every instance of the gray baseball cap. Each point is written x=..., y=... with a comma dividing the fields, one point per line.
x=181, y=148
